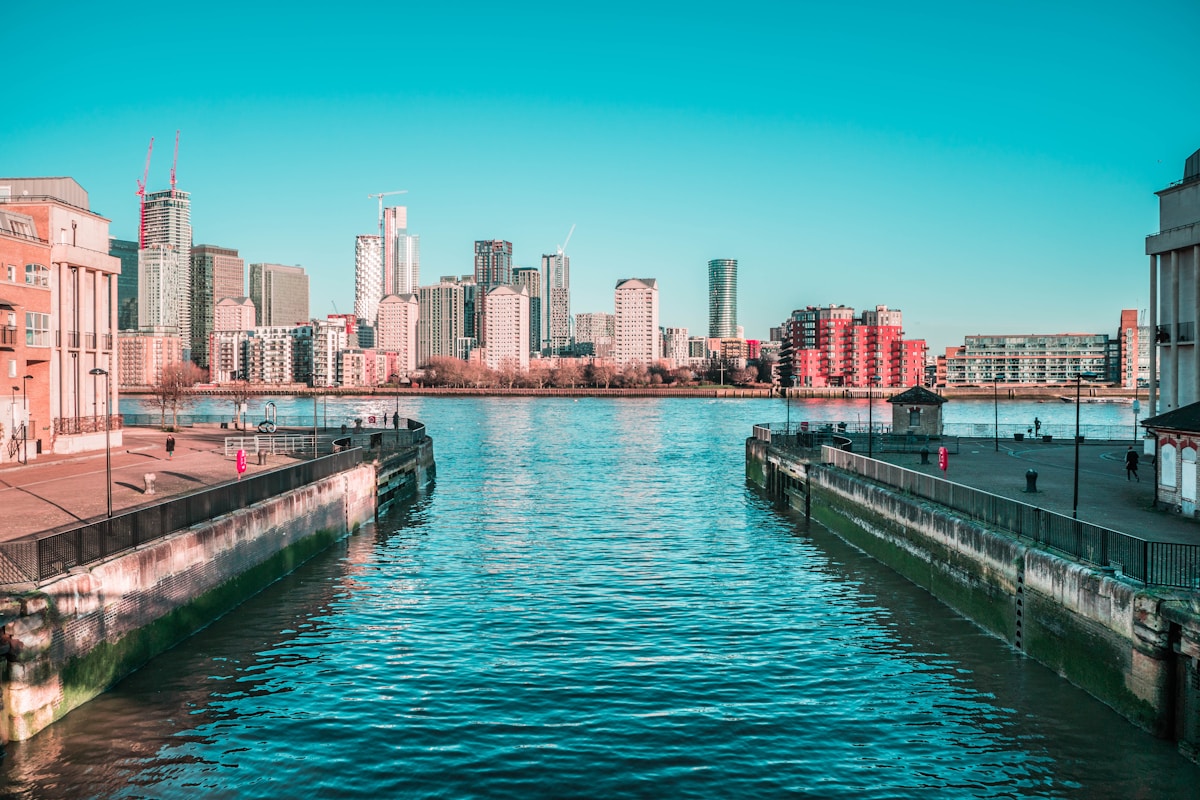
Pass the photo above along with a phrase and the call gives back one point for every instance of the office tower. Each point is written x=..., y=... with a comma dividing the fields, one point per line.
x=557, y=268
x=493, y=267
x=279, y=293
x=507, y=335
x=442, y=317
x=168, y=216
x=722, y=298
x=401, y=253
x=368, y=277
x=637, y=339
x=594, y=334
x=127, y=282
x=217, y=273
x=531, y=279
x=397, y=330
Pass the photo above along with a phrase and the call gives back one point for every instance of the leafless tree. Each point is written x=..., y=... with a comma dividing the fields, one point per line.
x=174, y=390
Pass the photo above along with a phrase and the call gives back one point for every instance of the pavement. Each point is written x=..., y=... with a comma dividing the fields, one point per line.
x=53, y=491
x=1106, y=496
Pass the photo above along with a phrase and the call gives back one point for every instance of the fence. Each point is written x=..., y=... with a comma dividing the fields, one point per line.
x=1157, y=563
x=851, y=437
x=48, y=555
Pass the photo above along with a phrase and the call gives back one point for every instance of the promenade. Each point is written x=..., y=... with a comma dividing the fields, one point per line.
x=1106, y=498
x=57, y=490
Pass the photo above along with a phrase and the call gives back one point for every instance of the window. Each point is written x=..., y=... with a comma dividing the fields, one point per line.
x=37, y=329
x=37, y=275
x=11, y=273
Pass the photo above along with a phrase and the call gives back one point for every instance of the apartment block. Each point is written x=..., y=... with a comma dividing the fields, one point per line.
x=143, y=355
x=1028, y=358
x=637, y=339
x=507, y=335
x=832, y=346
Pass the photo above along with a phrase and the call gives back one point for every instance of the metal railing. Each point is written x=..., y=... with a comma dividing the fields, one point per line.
x=280, y=444
x=71, y=425
x=44, y=556
x=1152, y=563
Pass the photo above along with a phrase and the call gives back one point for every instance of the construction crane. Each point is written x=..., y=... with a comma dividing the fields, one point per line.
x=562, y=249
x=141, y=193
x=382, y=195
x=175, y=161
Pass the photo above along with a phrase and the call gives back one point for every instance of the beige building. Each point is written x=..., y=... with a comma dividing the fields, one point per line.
x=279, y=294
x=637, y=339
x=234, y=314
x=396, y=331
x=142, y=355
x=507, y=334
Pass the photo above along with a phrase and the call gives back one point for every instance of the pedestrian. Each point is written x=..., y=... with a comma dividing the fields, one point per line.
x=1037, y=426
x=396, y=420
x=170, y=446
x=1131, y=464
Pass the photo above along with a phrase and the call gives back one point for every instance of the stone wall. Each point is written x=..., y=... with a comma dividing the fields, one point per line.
x=74, y=637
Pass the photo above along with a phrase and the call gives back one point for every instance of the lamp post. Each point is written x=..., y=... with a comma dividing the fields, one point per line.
x=871, y=381
x=75, y=389
x=996, y=378
x=25, y=428
x=95, y=372
x=1136, y=408
x=1075, y=497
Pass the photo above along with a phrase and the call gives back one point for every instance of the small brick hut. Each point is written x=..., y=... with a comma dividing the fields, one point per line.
x=917, y=411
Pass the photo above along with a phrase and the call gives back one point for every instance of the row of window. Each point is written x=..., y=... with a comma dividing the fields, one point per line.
x=35, y=275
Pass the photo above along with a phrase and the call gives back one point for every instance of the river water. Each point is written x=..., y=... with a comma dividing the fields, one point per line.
x=590, y=602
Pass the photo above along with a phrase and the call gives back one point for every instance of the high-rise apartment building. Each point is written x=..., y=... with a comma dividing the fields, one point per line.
x=531, y=279
x=142, y=355
x=442, y=317
x=507, y=334
x=127, y=282
x=1027, y=358
x=217, y=273
x=1174, y=288
x=675, y=346
x=830, y=346
x=493, y=267
x=168, y=227
x=722, y=298
x=368, y=277
x=279, y=293
x=594, y=334
x=637, y=338
x=397, y=330
x=329, y=339
x=557, y=268
x=401, y=253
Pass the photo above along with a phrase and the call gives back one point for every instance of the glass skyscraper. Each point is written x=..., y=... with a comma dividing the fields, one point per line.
x=722, y=298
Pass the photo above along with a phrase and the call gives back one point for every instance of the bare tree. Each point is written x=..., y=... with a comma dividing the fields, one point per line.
x=239, y=392
x=174, y=390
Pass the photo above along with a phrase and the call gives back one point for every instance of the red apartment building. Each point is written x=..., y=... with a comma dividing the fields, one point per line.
x=830, y=346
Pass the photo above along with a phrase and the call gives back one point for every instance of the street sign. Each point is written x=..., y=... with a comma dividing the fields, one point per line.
x=943, y=459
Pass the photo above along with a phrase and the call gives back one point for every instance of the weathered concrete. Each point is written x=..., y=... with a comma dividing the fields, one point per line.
x=1134, y=648
x=72, y=638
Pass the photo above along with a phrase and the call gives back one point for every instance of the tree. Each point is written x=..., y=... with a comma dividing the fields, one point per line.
x=565, y=375
x=174, y=390
x=239, y=392
x=601, y=373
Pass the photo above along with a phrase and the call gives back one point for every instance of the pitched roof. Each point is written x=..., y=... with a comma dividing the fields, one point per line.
x=918, y=395
x=1184, y=418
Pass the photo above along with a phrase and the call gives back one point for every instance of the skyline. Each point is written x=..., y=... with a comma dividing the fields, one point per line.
x=855, y=157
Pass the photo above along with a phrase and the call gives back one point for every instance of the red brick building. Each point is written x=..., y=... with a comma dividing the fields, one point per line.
x=830, y=346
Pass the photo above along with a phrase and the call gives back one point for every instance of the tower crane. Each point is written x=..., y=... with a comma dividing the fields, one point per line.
x=175, y=161
x=382, y=195
x=141, y=193
x=562, y=249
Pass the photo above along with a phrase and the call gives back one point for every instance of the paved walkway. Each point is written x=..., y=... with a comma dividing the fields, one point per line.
x=52, y=491
x=1105, y=496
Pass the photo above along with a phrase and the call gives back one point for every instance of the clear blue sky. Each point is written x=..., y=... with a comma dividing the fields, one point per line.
x=985, y=167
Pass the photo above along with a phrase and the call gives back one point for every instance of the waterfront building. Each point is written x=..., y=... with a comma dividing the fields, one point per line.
x=531, y=279
x=168, y=246
x=722, y=299
x=1027, y=358
x=217, y=273
x=831, y=346
x=58, y=317
x=279, y=293
x=367, y=367
x=227, y=355
x=557, y=268
x=442, y=317
x=127, y=282
x=328, y=340
x=401, y=253
x=594, y=334
x=279, y=354
x=506, y=341
x=234, y=314
x=397, y=330
x=368, y=277
x=636, y=339
x=675, y=347
x=493, y=267
x=1130, y=362
x=1175, y=293
x=143, y=355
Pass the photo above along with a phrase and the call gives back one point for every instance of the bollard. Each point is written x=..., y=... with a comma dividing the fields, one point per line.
x=262, y=457
x=149, y=478
x=924, y=455
x=1031, y=481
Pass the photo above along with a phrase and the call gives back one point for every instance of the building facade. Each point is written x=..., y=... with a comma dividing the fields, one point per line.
x=442, y=317
x=637, y=339
x=279, y=294
x=397, y=331
x=127, y=283
x=143, y=355
x=1055, y=359
x=507, y=335
x=401, y=253
x=493, y=267
x=531, y=279
x=722, y=299
x=557, y=269
x=168, y=235
x=594, y=334
x=217, y=273
x=830, y=346
x=368, y=277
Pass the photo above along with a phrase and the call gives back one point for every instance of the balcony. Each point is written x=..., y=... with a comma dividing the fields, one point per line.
x=8, y=337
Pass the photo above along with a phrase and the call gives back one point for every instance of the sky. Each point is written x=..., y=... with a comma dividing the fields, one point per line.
x=987, y=168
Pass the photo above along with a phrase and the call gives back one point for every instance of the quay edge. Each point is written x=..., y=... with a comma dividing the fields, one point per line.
x=1136, y=649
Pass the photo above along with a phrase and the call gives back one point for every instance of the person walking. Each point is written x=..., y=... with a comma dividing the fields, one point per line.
x=1131, y=465
x=170, y=446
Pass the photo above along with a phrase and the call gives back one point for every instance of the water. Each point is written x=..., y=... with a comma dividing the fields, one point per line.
x=591, y=603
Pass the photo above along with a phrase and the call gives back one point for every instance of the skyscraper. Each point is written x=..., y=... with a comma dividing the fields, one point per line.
x=637, y=339
x=168, y=217
x=396, y=331
x=368, y=277
x=531, y=279
x=507, y=328
x=401, y=253
x=722, y=298
x=127, y=282
x=558, y=295
x=442, y=317
x=280, y=294
x=217, y=273
x=493, y=267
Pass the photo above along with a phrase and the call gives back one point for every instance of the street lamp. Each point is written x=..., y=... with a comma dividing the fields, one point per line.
x=25, y=428
x=12, y=410
x=996, y=378
x=871, y=381
x=75, y=389
x=1091, y=376
x=94, y=372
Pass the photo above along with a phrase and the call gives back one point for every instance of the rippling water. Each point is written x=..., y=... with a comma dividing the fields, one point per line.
x=591, y=603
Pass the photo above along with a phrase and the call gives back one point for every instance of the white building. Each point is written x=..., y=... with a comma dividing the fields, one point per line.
x=396, y=331
x=163, y=281
x=368, y=277
x=169, y=225
x=401, y=253
x=329, y=339
x=507, y=334
x=227, y=355
x=558, y=301
x=234, y=314
x=675, y=346
x=637, y=339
